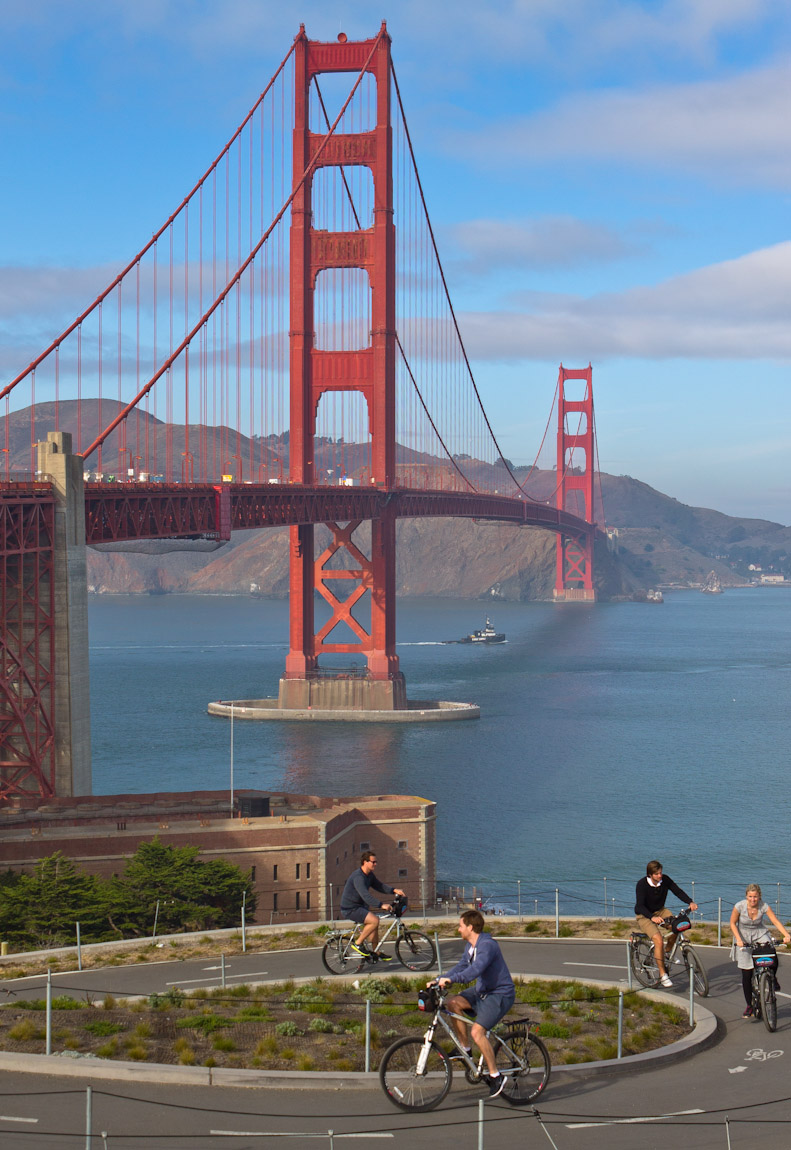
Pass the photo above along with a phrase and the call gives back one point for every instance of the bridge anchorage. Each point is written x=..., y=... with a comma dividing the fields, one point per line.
x=307, y=322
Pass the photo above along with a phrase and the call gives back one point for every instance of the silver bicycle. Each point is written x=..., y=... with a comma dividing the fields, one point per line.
x=416, y=1073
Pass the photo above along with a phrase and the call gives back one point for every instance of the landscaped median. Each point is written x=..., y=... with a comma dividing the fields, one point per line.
x=320, y=1025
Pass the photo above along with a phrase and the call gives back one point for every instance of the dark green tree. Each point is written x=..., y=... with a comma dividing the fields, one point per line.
x=41, y=909
x=192, y=895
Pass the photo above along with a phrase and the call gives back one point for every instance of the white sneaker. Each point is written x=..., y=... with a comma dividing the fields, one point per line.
x=666, y=980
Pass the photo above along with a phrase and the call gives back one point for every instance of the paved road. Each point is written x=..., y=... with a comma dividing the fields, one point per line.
x=734, y=1077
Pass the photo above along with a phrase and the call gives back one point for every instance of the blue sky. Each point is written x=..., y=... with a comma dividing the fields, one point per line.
x=609, y=182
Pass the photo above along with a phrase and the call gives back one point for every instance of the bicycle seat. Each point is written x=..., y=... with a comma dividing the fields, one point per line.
x=638, y=934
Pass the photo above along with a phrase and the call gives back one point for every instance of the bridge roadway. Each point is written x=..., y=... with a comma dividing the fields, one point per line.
x=582, y=1110
x=126, y=511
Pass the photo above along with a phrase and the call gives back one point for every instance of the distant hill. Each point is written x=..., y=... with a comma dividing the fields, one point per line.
x=660, y=541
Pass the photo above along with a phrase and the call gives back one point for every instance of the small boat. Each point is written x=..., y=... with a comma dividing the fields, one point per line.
x=486, y=635
x=712, y=586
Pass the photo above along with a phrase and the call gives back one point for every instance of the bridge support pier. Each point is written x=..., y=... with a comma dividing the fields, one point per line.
x=70, y=585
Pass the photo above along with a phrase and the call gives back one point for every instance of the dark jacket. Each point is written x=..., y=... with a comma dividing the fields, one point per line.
x=650, y=899
x=357, y=891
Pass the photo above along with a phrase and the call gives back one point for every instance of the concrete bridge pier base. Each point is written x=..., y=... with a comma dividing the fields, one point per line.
x=70, y=577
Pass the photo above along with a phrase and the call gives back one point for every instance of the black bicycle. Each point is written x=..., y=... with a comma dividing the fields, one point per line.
x=416, y=1073
x=642, y=959
x=414, y=949
x=764, y=983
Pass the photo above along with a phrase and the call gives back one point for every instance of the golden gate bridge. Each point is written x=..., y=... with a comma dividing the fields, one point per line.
x=283, y=351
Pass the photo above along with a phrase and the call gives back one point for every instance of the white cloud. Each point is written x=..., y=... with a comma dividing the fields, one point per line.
x=738, y=128
x=549, y=242
x=733, y=310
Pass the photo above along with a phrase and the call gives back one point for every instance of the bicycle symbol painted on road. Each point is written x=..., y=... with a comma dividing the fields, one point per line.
x=759, y=1055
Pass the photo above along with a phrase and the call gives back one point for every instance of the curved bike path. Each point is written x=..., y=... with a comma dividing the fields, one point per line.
x=743, y=1075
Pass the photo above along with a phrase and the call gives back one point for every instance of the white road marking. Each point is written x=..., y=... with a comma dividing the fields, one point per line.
x=288, y=1134
x=8, y=1118
x=736, y=1069
x=782, y=994
x=631, y=1121
x=597, y=965
x=187, y=981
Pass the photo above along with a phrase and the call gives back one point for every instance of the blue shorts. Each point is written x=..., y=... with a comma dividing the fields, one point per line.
x=489, y=1008
x=357, y=913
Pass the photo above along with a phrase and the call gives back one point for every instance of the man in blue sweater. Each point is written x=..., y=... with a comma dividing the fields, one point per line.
x=489, y=1000
x=357, y=903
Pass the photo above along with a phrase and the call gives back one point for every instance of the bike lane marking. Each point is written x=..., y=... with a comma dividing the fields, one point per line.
x=10, y=1118
x=597, y=965
x=248, y=974
x=632, y=1121
x=289, y=1134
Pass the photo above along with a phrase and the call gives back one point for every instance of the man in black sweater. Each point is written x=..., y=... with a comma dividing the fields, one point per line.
x=651, y=911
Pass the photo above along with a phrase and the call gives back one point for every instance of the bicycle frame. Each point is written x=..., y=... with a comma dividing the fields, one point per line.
x=475, y=1068
x=395, y=924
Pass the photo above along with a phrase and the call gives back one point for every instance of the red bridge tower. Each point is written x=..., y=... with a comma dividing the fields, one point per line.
x=574, y=579
x=315, y=372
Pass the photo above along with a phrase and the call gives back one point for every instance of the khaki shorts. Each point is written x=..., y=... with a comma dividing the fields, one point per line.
x=647, y=926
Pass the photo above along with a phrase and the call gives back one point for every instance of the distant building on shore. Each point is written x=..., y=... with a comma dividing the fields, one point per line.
x=300, y=849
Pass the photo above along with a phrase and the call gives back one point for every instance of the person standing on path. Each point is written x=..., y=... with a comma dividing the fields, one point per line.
x=748, y=925
x=649, y=906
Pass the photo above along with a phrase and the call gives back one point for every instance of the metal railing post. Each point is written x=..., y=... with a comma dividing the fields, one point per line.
x=628, y=964
x=480, y=1124
x=244, y=931
x=557, y=913
x=222, y=971
x=48, y=1045
x=691, y=995
x=439, y=956
x=88, y=1116
x=605, y=897
x=519, y=897
x=367, y=1036
x=620, y=1024
x=79, y=948
x=719, y=921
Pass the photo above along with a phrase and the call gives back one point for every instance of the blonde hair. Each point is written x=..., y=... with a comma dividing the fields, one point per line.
x=753, y=886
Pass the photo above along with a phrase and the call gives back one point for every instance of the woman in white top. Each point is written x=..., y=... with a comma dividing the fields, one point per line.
x=748, y=925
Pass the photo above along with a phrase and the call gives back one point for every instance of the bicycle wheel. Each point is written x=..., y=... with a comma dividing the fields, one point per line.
x=337, y=956
x=766, y=993
x=528, y=1072
x=693, y=963
x=401, y=1082
x=643, y=962
x=415, y=950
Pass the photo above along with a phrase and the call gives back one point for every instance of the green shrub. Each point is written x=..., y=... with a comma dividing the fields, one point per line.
x=552, y=1030
x=25, y=1031
x=103, y=1027
x=222, y=1042
x=309, y=999
x=206, y=1023
x=288, y=1029
x=321, y=1026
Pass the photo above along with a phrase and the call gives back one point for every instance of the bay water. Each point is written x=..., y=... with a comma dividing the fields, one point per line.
x=609, y=734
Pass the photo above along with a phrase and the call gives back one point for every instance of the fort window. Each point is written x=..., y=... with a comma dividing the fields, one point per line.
x=274, y=873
